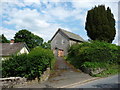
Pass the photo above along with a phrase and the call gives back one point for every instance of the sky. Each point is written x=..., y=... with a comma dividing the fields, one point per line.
x=44, y=17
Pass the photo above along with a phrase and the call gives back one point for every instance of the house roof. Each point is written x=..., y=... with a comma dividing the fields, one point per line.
x=70, y=35
x=11, y=48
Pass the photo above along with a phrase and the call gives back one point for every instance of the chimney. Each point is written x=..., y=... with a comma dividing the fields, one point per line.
x=11, y=41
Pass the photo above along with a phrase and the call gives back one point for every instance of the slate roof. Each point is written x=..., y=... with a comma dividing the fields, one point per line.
x=70, y=35
x=11, y=48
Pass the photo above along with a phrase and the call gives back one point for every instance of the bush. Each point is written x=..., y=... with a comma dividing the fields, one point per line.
x=94, y=65
x=111, y=70
x=95, y=51
x=39, y=60
x=15, y=66
x=29, y=66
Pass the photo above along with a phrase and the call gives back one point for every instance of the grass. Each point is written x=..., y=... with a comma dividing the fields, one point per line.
x=111, y=70
x=53, y=63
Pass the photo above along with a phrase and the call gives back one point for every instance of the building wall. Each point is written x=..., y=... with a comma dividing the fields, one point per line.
x=60, y=42
x=5, y=57
x=72, y=42
x=24, y=50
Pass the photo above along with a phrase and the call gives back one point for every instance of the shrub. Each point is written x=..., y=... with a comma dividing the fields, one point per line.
x=29, y=66
x=15, y=66
x=94, y=65
x=39, y=60
x=95, y=51
x=52, y=64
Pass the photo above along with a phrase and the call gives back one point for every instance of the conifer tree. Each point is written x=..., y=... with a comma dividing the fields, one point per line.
x=100, y=24
x=3, y=39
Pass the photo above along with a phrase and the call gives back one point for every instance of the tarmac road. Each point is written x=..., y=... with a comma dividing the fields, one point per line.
x=108, y=82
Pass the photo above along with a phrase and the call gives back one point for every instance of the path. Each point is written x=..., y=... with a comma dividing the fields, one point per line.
x=61, y=64
x=64, y=74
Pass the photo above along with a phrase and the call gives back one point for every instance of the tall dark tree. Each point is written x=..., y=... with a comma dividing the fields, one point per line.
x=100, y=24
x=29, y=38
x=3, y=39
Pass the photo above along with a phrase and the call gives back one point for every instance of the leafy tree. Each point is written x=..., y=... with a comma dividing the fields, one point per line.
x=100, y=24
x=3, y=39
x=29, y=38
x=47, y=45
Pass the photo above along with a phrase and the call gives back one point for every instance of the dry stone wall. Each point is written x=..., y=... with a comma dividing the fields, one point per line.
x=93, y=71
x=14, y=81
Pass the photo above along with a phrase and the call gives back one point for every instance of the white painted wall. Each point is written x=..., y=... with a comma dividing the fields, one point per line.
x=72, y=42
x=3, y=58
x=23, y=50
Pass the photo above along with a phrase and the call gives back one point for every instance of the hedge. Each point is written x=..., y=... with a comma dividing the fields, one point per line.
x=95, y=51
x=29, y=65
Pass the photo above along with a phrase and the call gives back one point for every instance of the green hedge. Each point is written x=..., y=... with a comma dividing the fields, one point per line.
x=94, y=65
x=95, y=51
x=29, y=66
x=15, y=66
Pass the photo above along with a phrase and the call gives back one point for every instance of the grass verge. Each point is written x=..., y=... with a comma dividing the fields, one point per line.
x=111, y=70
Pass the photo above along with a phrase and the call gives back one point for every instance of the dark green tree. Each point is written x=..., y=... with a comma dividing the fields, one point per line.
x=47, y=45
x=3, y=39
x=29, y=38
x=100, y=24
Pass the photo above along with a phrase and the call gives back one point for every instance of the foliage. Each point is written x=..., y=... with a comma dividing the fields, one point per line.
x=0, y=69
x=100, y=24
x=95, y=51
x=47, y=45
x=29, y=65
x=52, y=64
x=29, y=38
x=15, y=66
x=94, y=65
x=40, y=59
x=65, y=57
x=3, y=39
x=111, y=70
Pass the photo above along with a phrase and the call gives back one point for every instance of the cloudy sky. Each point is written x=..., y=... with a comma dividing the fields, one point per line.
x=44, y=17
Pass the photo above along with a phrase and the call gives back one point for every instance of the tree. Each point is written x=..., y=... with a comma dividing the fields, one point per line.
x=3, y=39
x=29, y=38
x=100, y=24
x=47, y=45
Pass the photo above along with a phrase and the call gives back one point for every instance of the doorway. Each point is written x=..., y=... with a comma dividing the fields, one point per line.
x=60, y=53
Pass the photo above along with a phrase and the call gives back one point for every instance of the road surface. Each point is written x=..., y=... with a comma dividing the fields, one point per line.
x=109, y=82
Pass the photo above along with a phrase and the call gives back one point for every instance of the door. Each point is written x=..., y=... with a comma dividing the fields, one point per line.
x=60, y=53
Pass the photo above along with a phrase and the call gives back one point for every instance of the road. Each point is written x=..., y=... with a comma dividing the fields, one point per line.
x=109, y=82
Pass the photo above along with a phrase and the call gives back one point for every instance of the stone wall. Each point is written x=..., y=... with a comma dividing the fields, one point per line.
x=45, y=75
x=16, y=81
x=92, y=71
x=11, y=81
x=57, y=43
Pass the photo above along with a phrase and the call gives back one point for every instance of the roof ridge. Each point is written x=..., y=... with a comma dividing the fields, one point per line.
x=70, y=32
x=9, y=49
x=72, y=35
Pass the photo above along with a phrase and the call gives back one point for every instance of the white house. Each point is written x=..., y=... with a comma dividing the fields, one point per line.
x=9, y=49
